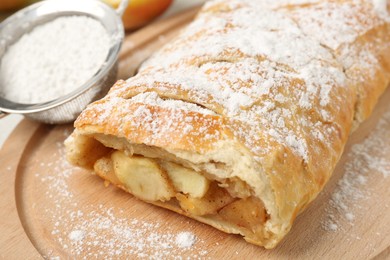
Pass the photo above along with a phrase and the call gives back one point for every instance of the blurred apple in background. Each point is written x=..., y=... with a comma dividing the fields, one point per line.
x=137, y=14
x=140, y=12
x=10, y=5
x=7, y=7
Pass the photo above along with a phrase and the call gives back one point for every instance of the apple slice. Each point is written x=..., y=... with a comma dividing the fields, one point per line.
x=142, y=177
x=246, y=213
x=215, y=199
x=105, y=169
x=187, y=181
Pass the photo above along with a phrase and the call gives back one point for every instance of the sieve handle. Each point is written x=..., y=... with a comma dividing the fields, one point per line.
x=122, y=7
x=2, y=114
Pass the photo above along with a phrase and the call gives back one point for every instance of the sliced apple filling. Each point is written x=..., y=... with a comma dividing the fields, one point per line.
x=142, y=177
x=155, y=181
x=214, y=200
x=187, y=181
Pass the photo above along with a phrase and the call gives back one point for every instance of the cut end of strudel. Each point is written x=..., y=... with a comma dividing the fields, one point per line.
x=240, y=121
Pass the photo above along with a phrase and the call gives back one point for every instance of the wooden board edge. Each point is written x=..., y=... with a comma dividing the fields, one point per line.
x=14, y=242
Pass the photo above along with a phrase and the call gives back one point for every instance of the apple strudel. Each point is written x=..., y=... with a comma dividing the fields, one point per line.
x=240, y=121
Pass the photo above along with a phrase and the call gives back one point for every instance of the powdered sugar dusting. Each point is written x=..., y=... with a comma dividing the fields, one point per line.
x=99, y=232
x=380, y=7
x=185, y=239
x=334, y=23
x=260, y=65
x=364, y=159
x=53, y=59
x=76, y=235
x=340, y=27
x=152, y=98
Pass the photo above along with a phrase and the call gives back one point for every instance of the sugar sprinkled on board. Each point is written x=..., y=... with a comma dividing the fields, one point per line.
x=96, y=230
x=53, y=59
x=364, y=159
x=100, y=231
x=185, y=239
x=76, y=235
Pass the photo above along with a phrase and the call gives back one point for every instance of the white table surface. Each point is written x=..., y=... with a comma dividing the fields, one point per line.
x=8, y=124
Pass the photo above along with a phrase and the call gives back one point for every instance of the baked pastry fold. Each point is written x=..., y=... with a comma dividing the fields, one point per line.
x=240, y=121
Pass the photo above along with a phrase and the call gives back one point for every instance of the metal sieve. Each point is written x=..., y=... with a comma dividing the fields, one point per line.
x=65, y=108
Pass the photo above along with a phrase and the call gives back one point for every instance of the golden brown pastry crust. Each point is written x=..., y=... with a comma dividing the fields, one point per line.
x=272, y=88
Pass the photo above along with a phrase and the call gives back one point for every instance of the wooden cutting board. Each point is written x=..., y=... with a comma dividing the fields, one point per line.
x=52, y=209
